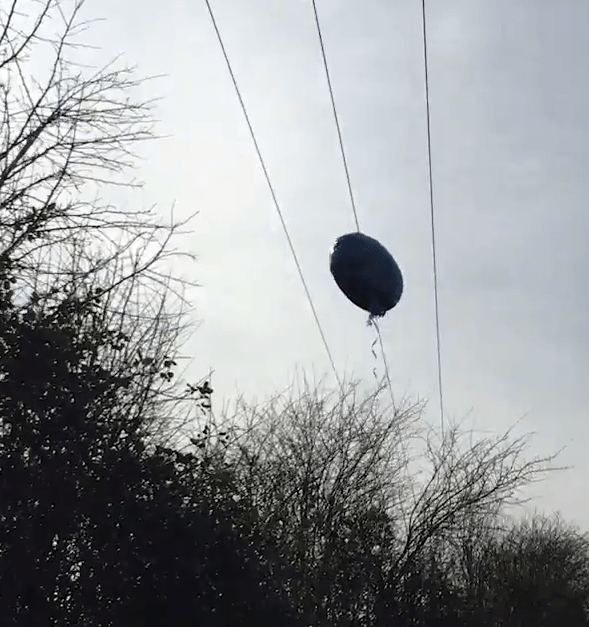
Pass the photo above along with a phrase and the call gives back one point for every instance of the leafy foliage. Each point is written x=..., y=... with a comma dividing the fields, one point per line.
x=96, y=528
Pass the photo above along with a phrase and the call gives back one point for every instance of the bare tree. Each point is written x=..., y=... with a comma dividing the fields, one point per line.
x=67, y=132
x=62, y=139
x=330, y=477
x=537, y=572
x=476, y=480
x=326, y=473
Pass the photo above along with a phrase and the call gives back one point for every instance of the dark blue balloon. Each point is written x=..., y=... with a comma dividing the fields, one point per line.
x=366, y=273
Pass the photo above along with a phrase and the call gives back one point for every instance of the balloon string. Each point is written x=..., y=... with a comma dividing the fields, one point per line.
x=374, y=354
x=372, y=322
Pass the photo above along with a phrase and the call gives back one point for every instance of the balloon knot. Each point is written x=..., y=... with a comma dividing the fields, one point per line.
x=372, y=317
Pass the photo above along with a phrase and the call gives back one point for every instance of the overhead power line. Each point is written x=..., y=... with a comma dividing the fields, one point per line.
x=339, y=132
x=431, y=196
x=274, y=198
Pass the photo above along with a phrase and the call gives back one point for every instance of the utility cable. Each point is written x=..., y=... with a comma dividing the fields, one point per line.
x=339, y=132
x=274, y=198
x=431, y=195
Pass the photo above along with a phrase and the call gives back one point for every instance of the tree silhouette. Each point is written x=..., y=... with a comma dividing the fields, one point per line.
x=372, y=544
x=102, y=520
x=538, y=573
x=97, y=527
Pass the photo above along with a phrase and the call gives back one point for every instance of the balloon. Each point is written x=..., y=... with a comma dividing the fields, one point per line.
x=366, y=273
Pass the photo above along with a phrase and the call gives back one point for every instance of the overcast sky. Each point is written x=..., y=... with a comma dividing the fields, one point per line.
x=509, y=91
